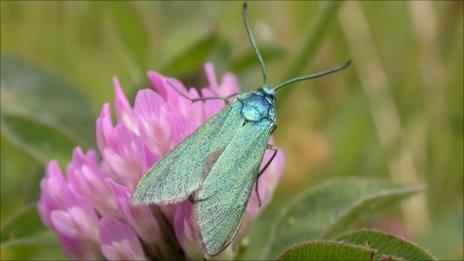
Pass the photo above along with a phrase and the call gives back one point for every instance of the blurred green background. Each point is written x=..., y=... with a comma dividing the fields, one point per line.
x=397, y=113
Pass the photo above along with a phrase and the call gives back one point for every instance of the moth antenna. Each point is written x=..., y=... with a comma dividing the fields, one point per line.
x=314, y=75
x=253, y=43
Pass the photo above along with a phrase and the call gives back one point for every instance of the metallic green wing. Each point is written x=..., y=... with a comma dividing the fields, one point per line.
x=221, y=201
x=182, y=170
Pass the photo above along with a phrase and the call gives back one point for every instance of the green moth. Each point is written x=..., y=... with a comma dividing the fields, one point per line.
x=216, y=166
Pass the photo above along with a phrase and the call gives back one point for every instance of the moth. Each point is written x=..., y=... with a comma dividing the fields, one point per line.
x=216, y=166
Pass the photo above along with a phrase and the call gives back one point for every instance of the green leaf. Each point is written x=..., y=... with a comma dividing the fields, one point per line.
x=22, y=223
x=327, y=250
x=28, y=90
x=16, y=176
x=46, y=238
x=25, y=238
x=41, y=140
x=385, y=244
x=186, y=49
x=39, y=246
x=16, y=215
x=331, y=208
x=444, y=239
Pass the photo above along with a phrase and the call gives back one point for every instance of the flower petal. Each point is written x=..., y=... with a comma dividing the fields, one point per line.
x=185, y=232
x=127, y=155
x=103, y=125
x=122, y=107
x=140, y=218
x=64, y=223
x=229, y=85
x=212, y=106
x=88, y=178
x=118, y=240
x=211, y=75
x=50, y=198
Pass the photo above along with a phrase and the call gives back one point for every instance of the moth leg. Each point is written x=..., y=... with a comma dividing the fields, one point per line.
x=257, y=192
x=225, y=99
x=274, y=128
x=194, y=200
x=272, y=147
x=275, y=149
x=230, y=96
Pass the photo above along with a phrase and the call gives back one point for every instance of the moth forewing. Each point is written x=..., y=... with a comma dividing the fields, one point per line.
x=181, y=171
x=221, y=201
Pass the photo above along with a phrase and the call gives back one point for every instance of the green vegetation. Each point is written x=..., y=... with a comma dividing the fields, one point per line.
x=395, y=115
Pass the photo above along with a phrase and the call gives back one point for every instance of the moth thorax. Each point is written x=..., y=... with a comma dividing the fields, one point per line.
x=256, y=107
